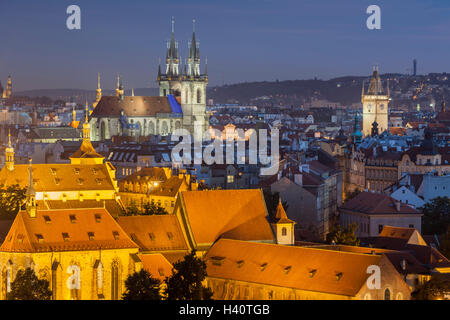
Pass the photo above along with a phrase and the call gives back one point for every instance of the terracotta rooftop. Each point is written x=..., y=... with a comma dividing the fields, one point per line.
x=376, y=203
x=65, y=230
x=59, y=177
x=317, y=270
x=154, y=232
x=232, y=214
x=157, y=265
x=132, y=106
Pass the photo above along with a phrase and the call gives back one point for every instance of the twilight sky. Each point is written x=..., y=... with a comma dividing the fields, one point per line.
x=245, y=40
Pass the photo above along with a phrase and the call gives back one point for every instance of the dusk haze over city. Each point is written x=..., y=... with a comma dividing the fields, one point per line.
x=212, y=158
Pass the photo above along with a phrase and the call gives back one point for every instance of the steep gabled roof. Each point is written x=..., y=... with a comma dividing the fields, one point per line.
x=310, y=269
x=232, y=214
x=155, y=232
x=376, y=203
x=66, y=230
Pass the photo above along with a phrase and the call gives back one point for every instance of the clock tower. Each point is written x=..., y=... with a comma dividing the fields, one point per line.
x=375, y=105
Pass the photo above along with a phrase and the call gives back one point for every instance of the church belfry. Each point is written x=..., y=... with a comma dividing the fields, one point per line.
x=9, y=154
x=375, y=105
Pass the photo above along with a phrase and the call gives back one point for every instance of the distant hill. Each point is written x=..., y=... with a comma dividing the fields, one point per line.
x=345, y=90
x=79, y=95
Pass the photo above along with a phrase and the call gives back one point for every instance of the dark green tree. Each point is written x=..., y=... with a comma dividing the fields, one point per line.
x=27, y=286
x=436, y=216
x=132, y=209
x=434, y=289
x=150, y=208
x=186, y=280
x=346, y=236
x=11, y=199
x=142, y=286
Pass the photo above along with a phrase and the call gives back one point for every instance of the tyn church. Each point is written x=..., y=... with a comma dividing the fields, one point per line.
x=180, y=104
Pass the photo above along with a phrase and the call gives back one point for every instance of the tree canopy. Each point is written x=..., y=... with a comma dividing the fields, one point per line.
x=11, y=199
x=186, y=280
x=346, y=236
x=436, y=216
x=435, y=289
x=142, y=286
x=149, y=208
x=27, y=286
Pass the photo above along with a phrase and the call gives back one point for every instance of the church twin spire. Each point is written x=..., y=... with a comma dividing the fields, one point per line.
x=174, y=65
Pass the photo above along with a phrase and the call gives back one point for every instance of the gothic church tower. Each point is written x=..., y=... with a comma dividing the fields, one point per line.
x=375, y=105
x=188, y=86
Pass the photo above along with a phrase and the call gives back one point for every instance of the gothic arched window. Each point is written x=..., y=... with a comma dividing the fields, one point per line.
x=284, y=231
x=387, y=294
x=115, y=281
x=199, y=96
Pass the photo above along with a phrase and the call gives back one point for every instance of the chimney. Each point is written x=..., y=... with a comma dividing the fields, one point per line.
x=397, y=205
x=298, y=179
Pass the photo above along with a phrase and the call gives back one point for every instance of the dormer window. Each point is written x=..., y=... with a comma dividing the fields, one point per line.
x=47, y=220
x=338, y=276
x=80, y=181
x=98, y=218
x=170, y=235
x=65, y=236
x=91, y=236
x=39, y=238
x=53, y=170
x=57, y=181
x=94, y=171
x=73, y=218
x=116, y=235
x=263, y=266
x=287, y=269
x=76, y=170
x=312, y=273
x=19, y=238
x=151, y=236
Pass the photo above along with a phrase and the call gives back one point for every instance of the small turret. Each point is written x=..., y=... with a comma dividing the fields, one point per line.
x=283, y=227
x=31, y=194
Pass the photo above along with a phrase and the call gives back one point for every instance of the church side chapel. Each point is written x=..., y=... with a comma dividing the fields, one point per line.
x=181, y=102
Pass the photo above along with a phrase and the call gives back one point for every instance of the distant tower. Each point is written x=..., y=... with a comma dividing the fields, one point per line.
x=74, y=117
x=99, y=93
x=375, y=105
x=119, y=87
x=1, y=90
x=415, y=67
x=9, y=154
x=8, y=92
x=357, y=134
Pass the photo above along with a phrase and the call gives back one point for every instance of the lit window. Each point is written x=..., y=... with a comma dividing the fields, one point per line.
x=284, y=231
x=65, y=236
x=230, y=179
x=39, y=237
x=91, y=235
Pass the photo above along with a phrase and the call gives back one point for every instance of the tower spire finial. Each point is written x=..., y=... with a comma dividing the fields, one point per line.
x=87, y=111
x=9, y=138
x=173, y=24
x=98, y=80
x=193, y=25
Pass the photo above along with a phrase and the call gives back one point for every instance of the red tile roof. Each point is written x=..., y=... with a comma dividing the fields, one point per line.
x=376, y=203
